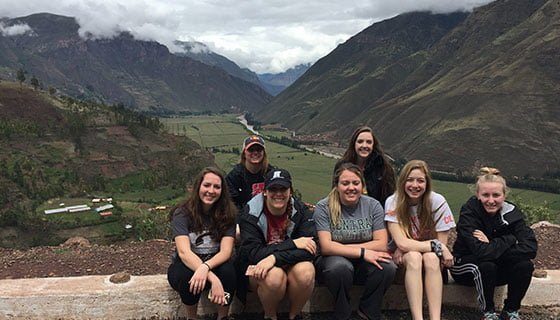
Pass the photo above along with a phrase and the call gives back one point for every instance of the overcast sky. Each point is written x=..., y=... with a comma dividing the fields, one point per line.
x=262, y=35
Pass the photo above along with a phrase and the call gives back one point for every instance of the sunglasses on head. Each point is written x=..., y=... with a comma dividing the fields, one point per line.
x=255, y=149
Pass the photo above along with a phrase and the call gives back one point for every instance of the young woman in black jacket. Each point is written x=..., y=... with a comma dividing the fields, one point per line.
x=246, y=179
x=277, y=247
x=494, y=247
x=364, y=150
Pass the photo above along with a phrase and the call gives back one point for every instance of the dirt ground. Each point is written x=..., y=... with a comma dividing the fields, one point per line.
x=154, y=256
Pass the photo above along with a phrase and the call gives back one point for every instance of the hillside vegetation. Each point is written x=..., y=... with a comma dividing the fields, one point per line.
x=457, y=90
x=222, y=134
x=60, y=147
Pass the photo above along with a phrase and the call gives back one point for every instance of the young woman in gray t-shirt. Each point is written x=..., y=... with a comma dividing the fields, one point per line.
x=204, y=233
x=353, y=242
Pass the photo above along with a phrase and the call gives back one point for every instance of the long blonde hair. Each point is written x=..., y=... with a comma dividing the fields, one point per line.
x=424, y=211
x=335, y=206
x=489, y=174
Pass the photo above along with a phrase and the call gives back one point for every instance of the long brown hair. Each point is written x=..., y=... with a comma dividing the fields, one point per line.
x=388, y=173
x=424, y=212
x=222, y=213
x=335, y=206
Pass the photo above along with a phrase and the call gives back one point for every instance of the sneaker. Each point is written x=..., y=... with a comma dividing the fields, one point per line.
x=510, y=315
x=490, y=315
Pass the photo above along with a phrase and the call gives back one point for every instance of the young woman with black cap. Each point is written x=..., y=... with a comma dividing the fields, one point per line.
x=277, y=247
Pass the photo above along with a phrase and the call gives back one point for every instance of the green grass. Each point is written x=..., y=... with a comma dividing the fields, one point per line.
x=311, y=172
x=457, y=194
x=158, y=195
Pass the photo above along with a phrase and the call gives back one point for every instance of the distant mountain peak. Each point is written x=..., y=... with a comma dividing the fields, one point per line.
x=137, y=73
x=193, y=46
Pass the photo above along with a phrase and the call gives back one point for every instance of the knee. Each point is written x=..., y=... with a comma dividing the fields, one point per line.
x=389, y=270
x=303, y=274
x=413, y=261
x=488, y=267
x=275, y=279
x=338, y=268
x=524, y=267
x=431, y=262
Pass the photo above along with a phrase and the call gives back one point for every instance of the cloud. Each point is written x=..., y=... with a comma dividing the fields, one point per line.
x=14, y=30
x=263, y=35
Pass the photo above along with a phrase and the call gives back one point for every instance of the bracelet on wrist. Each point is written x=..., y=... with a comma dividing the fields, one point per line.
x=362, y=253
x=206, y=264
x=436, y=247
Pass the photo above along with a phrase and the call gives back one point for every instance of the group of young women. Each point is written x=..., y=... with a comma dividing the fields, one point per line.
x=368, y=230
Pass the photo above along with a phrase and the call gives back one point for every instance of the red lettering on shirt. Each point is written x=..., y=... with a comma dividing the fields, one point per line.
x=257, y=188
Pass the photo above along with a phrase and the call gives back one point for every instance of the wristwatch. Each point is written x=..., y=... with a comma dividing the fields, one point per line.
x=437, y=247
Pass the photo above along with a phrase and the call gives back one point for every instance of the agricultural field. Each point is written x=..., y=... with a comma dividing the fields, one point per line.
x=311, y=172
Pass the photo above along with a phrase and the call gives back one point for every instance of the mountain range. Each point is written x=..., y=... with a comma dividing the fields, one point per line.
x=457, y=90
x=273, y=83
x=141, y=74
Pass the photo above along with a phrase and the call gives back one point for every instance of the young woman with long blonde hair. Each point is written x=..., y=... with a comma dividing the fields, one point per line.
x=419, y=221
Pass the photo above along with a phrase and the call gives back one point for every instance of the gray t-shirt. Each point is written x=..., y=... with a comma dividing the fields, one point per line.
x=357, y=224
x=202, y=243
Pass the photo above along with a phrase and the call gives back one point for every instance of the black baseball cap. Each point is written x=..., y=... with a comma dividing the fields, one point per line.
x=278, y=177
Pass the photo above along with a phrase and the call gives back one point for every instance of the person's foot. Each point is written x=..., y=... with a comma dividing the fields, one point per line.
x=510, y=315
x=297, y=317
x=490, y=315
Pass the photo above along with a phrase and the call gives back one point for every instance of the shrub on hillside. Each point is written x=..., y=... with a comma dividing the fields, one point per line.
x=534, y=212
x=151, y=225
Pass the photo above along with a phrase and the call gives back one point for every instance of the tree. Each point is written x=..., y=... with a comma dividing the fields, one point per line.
x=34, y=82
x=20, y=76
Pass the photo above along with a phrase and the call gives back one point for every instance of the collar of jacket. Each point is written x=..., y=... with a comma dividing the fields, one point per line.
x=256, y=209
x=509, y=212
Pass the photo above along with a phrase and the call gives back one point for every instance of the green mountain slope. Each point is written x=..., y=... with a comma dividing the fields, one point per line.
x=487, y=91
x=51, y=147
x=143, y=74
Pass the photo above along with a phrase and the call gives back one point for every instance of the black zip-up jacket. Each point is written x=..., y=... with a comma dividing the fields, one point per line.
x=253, y=225
x=510, y=237
x=243, y=184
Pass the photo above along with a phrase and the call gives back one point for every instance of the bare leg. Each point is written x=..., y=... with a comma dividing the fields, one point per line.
x=271, y=290
x=301, y=281
x=413, y=282
x=433, y=283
